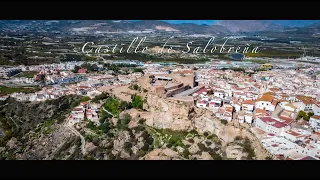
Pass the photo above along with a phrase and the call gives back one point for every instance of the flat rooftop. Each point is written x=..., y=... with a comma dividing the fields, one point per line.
x=187, y=92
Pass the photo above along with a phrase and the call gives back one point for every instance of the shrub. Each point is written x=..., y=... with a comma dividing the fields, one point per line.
x=193, y=132
x=123, y=122
x=144, y=135
x=99, y=97
x=127, y=146
x=224, y=122
x=268, y=158
x=208, y=143
x=248, y=148
x=137, y=102
x=169, y=145
x=85, y=99
x=216, y=156
x=238, y=138
x=141, y=121
x=104, y=127
x=218, y=142
x=145, y=147
x=141, y=153
x=210, y=137
x=205, y=134
x=149, y=140
x=186, y=153
x=202, y=147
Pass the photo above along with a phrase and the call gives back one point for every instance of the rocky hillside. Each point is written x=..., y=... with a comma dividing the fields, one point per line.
x=163, y=130
x=18, y=118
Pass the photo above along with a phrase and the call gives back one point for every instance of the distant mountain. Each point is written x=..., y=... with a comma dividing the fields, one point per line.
x=223, y=27
x=312, y=29
x=93, y=26
x=237, y=26
x=287, y=23
x=293, y=23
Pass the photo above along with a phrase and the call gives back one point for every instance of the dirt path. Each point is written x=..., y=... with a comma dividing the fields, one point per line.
x=107, y=111
x=83, y=142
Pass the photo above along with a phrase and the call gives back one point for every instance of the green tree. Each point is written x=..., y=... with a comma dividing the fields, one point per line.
x=123, y=122
x=104, y=127
x=310, y=114
x=76, y=69
x=137, y=102
x=303, y=115
x=101, y=96
x=125, y=105
x=138, y=70
x=85, y=99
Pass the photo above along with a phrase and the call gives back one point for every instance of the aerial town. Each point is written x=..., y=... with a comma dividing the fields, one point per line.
x=58, y=103
x=271, y=102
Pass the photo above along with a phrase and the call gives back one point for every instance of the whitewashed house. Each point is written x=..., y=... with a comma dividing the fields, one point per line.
x=248, y=105
x=315, y=122
x=271, y=125
x=266, y=102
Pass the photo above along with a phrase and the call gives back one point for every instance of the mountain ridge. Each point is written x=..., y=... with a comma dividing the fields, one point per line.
x=225, y=27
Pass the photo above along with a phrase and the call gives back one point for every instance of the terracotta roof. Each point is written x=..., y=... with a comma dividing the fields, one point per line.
x=267, y=98
x=293, y=133
x=306, y=100
x=316, y=117
x=317, y=133
x=268, y=93
x=261, y=111
x=248, y=102
x=274, y=102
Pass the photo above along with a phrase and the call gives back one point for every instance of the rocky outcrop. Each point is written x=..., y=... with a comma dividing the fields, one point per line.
x=164, y=113
x=162, y=154
x=235, y=152
x=89, y=147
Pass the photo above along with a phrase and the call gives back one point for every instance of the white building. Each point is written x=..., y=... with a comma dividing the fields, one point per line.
x=315, y=122
x=289, y=107
x=316, y=109
x=248, y=105
x=202, y=104
x=266, y=102
x=271, y=125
